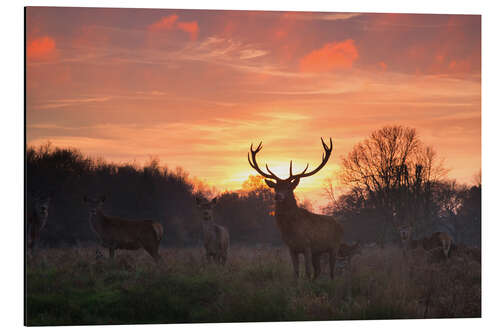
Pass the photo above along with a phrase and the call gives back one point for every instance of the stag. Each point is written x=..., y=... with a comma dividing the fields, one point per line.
x=215, y=237
x=302, y=231
x=118, y=233
x=38, y=213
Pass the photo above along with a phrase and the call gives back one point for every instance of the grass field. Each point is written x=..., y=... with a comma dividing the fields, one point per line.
x=70, y=287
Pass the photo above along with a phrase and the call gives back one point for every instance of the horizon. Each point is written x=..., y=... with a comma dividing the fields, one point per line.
x=195, y=88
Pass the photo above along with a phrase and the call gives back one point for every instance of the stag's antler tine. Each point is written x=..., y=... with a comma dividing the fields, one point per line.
x=272, y=173
x=325, y=146
x=324, y=158
x=248, y=156
x=253, y=162
x=307, y=166
x=291, y=174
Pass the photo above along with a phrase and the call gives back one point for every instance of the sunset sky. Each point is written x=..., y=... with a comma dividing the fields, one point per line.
x=195, y=88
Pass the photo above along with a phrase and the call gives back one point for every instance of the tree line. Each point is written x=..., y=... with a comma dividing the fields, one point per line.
x=133, y=191
x=392, y=178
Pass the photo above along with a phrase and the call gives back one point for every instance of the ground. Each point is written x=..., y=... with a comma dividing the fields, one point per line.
x=71, y=287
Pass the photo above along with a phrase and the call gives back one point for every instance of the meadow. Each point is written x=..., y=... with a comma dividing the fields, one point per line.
x=70, y=286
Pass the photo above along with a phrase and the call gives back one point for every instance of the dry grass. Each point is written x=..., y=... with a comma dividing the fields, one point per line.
x=69, y=287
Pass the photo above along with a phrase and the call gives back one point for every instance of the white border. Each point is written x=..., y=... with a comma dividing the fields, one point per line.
x=13, y=145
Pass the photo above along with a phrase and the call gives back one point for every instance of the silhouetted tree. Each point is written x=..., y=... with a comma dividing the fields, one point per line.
x=393, y=172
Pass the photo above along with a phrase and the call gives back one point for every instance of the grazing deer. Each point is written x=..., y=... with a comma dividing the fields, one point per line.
x=345, y=254
x=302, y=231
x=37, y=219
x=215, y=237
x=117, y=233
x=439, y=239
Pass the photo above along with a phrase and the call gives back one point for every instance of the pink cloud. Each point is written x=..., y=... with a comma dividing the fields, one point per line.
x=331, y=56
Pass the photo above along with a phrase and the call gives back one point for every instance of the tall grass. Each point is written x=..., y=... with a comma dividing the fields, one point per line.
x=71, y=287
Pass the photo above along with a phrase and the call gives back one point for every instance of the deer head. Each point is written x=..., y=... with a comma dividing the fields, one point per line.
x=405, y=232
x=94, y=204
x=206, y=207
x=42, y=203
x=283, y=188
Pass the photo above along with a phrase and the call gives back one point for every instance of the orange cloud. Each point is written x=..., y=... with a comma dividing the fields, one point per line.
x=165, y=23
x=189, y=27
x=41, y=48
x=460, y=66
x=169, y=23
x=330, y=56
x=383, y=66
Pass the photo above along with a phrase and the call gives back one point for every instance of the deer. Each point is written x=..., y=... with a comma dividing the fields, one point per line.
x=38, y=214
x=346, y=253
x=302, y=231
x=119, y=233
x=405, y=237
x=439, y=239
x=215, y=237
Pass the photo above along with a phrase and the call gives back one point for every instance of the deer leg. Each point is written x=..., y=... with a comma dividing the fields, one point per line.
x=295, y=262
x=308, y=260
x=111, y=252
x=153, y=252
x=446, y=248
x=316, y=261
x=333, y=258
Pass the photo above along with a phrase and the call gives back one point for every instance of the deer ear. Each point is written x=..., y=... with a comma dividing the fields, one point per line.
x=270, y=183
x=295, y=182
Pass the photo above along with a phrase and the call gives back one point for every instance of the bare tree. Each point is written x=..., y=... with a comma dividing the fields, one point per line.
x=394, y=171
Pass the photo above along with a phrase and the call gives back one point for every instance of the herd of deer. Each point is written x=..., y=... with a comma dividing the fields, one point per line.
x=303, y=232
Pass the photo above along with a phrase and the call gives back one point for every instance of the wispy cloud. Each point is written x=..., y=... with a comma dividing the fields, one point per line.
x=309, y=16
x=63, y=102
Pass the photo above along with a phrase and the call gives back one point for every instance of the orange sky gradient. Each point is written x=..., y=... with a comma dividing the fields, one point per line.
x=194, y=88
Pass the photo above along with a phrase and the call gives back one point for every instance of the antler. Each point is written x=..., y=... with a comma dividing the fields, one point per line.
x=325, y=157
x=255, y=165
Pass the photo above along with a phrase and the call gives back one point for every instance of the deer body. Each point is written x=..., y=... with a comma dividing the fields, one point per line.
x=215, y=237
x=302, y=231
x=118, y=233
x=439, y=239
x=37, y=217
